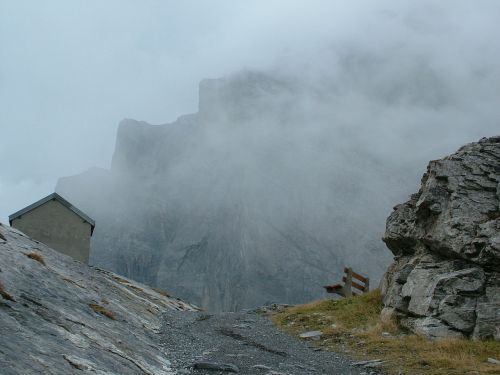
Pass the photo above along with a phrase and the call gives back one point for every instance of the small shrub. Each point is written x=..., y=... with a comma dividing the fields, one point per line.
x=103, y=311
x=37, y=257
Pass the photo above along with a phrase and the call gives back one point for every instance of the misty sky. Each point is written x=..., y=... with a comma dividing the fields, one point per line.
x=71, y=70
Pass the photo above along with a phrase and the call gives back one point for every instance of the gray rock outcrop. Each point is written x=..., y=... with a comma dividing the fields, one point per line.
x=445, y=280
x=59, y=316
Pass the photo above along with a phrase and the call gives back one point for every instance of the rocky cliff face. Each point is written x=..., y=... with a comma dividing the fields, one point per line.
x=59, y=316
x=252, y=199
x=445, y=280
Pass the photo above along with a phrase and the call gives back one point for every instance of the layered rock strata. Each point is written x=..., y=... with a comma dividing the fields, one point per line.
x=59, y=316
x=445, y=279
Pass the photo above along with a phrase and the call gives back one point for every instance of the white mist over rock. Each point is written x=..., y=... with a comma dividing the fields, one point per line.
x=265, y=193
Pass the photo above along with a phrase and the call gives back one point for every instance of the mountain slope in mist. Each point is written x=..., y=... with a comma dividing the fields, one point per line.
x=266, y=192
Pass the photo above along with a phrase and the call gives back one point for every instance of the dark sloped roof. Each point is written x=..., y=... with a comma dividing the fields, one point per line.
x=57, y=197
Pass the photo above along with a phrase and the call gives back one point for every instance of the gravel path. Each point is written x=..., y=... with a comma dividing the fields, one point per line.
x=244, y=342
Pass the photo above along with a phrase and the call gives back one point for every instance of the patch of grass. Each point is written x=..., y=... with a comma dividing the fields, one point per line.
x=119, y=279
x=5, y=295
x=37, y=257
x=133, y=287
x=354, y=326
x=102, y=310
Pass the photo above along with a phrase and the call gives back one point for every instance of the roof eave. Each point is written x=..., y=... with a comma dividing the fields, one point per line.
x=64, y=202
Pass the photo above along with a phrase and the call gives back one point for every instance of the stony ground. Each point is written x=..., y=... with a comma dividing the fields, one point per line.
x=245, y=342
x=60, y=317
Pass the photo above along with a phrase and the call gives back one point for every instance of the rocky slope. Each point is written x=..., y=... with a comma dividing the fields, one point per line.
x=445, y=280
x=59, y=316
x=257, y=197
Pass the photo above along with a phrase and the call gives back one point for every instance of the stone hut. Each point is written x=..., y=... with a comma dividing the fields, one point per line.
x=57, y=223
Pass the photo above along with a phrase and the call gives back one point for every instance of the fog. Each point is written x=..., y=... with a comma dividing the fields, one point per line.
x=411, y=81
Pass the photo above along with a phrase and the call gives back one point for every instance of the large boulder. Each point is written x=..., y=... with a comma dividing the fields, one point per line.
x=445, y=279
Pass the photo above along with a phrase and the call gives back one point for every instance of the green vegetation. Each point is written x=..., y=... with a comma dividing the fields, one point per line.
x=354, y=326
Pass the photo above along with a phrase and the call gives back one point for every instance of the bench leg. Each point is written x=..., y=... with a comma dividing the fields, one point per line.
x=348, y=283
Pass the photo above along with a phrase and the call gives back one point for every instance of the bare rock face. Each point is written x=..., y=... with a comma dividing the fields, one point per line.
x=252, y=199
x=59, y=316
x=445, y=280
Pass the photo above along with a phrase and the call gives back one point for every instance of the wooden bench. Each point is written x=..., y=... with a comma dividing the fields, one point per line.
x=346, y=290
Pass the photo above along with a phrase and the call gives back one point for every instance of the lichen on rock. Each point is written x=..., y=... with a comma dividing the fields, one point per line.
x=445, y=279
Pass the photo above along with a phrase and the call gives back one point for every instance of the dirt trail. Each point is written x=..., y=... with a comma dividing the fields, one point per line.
x=246, y=343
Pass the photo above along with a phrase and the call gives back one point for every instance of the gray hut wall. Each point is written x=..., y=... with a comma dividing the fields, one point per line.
x=58, y=227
